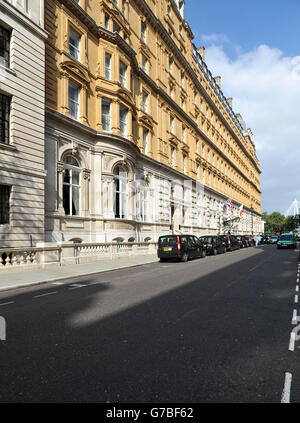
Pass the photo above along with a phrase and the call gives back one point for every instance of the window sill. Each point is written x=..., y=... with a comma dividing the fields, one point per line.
x=9, y=70
x=10, y=147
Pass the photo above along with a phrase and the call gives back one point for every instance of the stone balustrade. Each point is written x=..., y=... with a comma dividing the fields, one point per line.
x=70, y=253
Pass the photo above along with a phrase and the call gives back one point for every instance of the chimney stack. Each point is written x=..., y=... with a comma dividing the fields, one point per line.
x=201, y=51
x=218, y=81
x=239, y=118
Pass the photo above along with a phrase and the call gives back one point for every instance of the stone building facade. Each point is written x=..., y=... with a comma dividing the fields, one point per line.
x=140, y=140
x=22, y=121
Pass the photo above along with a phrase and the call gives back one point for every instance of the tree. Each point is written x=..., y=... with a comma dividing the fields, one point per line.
x=275, y=222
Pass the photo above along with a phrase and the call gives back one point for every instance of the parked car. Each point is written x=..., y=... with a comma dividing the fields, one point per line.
x=274, y=239
x=181, y=247
x=214, y=244
x=231, y=242
x=286, y=241
x=243, y=241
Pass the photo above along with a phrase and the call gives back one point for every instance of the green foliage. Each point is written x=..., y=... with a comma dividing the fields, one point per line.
x=277, y=222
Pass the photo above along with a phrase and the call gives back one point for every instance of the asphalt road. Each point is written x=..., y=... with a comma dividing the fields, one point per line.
x=211, y=330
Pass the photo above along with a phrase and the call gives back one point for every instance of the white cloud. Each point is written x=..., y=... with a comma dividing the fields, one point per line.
x=265, y=86
x=215, y=38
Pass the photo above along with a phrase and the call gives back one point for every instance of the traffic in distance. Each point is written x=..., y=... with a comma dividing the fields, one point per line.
x=185, y=247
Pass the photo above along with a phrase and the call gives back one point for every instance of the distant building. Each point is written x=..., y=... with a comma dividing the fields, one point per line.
x=22, y=122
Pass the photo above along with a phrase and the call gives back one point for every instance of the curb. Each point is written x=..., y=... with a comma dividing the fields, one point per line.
x=71, y=277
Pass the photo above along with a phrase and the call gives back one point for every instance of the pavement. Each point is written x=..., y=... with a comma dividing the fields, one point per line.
x=216, y=329
x=33, y=276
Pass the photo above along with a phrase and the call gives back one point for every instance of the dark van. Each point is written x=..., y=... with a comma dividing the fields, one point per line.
x=231, y=242
x=182, y=247
x=214, y=244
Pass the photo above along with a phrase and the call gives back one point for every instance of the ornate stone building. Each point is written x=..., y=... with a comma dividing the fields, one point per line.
x=140, y=139
x=22, y=122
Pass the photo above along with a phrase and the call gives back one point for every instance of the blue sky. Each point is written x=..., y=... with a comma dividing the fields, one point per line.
x=255, y=48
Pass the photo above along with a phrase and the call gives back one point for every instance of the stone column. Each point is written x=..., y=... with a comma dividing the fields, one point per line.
x=60, y=183
x=86, y=192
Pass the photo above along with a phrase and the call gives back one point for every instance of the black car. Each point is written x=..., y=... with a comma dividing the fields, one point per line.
x=181, y=247
x=214, y=244
x=231, y=242
x=244, y=242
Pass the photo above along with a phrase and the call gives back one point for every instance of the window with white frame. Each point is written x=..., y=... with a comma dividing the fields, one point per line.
x=123, y=69
x=74, y=44
x=145, y=140
x=120, y=192
x=123, y=121
x=106, y=115
x=182, y=79
x=183, y=134
x=108, y=66
x=71, y=186
x=74, y=91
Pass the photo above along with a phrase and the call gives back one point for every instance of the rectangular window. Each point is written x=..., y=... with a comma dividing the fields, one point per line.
x=74, y=100
x=145, y=140
x=123, y=121
x=4, y=118
x=171, y=124
x=172, y=156
x=4, y=46
x=143, y=32
x=106, y=21
x=123, y=69
x=106, y=115
x=170, y=65
x=74, y=44
x=184, y=164
x=123, y=6
x=183, y=134
x=107, y=66
x=144, y=63
x=4, y=204
x=182, y=79
x=171, y=92
x=145, y=102
x=116, y=28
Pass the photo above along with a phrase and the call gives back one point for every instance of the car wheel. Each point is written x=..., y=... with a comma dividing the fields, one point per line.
x=162, y=260
x=215, y=252
x=185, y=257
x=278, y=247
x=224, y=250
x=203, y=255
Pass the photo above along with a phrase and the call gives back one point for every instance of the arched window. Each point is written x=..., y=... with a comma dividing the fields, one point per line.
x=71, y=189
x=120, y=192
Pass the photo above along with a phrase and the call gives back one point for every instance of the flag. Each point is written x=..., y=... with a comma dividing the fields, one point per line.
x=229, y=205
x=241, y=210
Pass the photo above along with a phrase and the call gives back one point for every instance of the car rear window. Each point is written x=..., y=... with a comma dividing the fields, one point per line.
x=209, y=239
x=168, y=240
x=286, y=238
